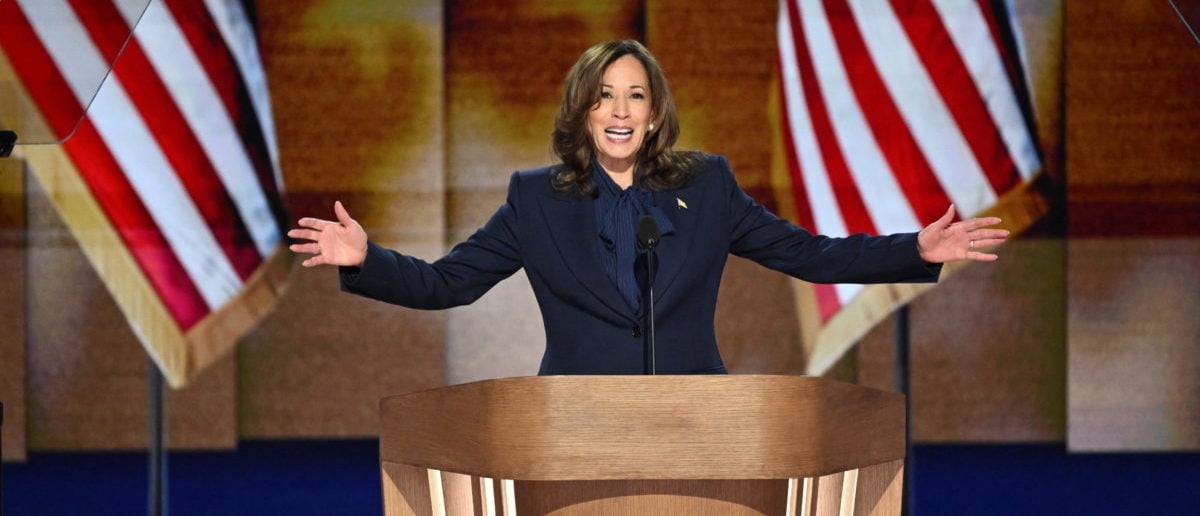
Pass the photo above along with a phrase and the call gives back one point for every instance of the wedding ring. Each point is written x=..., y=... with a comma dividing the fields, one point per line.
x=971, y=245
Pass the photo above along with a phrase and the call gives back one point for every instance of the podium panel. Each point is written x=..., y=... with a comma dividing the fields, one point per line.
x=571, y=445
x=733, y=497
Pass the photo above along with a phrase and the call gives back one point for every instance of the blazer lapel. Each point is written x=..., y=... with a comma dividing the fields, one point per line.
x=572, y=223
x=672, y=251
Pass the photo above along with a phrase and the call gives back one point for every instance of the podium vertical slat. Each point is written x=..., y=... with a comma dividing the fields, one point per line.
x=405, y=490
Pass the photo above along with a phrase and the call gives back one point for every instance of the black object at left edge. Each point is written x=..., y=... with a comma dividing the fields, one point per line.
x=7, y=140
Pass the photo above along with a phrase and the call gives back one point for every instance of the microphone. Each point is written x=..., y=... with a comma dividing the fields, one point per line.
x=648, y=234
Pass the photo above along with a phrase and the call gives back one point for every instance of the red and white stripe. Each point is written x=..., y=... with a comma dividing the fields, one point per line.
x=177, y=146
x=894, y=109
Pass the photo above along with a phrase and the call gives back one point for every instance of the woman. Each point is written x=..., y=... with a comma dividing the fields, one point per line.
x=571, y=227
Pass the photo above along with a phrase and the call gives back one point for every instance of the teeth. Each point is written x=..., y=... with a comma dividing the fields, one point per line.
x=619, y=132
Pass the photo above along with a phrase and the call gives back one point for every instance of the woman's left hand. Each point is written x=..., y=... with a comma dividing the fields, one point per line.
x=944, y=241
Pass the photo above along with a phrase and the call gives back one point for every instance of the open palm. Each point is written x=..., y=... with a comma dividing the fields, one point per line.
x=946, y=241
x=342, y=242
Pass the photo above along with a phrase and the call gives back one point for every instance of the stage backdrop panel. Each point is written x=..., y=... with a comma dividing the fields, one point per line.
x=87, y=375
x=1133, y=256
x=415, y=113
x=357, y=93
x=991, y=371
x=505, y=65
x=88, y=383
x=12, y=307
x=988, y=345
x=722, y=89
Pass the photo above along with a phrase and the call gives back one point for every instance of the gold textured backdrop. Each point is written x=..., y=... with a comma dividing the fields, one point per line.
x=414, y=114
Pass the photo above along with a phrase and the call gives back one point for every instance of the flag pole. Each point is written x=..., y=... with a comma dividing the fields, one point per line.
x=157, y=496
x=900, y=375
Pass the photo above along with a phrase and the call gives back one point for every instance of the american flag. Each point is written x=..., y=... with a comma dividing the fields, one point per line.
x=173, y=177
x=892, y=110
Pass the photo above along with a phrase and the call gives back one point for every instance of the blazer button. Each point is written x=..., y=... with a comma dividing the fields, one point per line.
x=637, y=332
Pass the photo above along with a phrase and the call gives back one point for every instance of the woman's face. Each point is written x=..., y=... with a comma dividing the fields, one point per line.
x=618, y=122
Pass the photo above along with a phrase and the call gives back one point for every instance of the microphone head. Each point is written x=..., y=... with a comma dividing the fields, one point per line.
x=647, y=231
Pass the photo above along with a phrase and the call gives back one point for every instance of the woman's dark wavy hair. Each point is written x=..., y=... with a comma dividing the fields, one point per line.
x=659, y=167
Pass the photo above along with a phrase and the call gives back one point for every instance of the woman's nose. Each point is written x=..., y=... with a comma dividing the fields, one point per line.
x=621, y=109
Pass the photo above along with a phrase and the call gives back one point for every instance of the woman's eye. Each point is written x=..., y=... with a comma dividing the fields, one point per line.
x=637, y=96
x=606, y=95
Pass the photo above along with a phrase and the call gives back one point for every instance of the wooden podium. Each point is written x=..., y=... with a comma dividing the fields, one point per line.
x=723, y=444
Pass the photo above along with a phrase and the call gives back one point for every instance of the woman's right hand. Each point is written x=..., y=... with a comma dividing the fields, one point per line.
x=342, y=243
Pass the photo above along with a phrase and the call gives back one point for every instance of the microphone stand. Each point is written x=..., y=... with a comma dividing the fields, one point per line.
x=648, y=233
x=649, y=336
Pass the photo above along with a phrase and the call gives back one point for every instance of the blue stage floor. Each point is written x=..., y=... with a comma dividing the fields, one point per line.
x=341, y=477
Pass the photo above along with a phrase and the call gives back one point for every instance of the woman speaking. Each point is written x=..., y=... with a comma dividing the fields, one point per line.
x=572, y=227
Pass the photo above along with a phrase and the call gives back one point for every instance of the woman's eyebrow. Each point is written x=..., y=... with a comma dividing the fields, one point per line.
x=638, y=86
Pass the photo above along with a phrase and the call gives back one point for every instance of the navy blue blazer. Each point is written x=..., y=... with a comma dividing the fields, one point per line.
x=590, y=329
